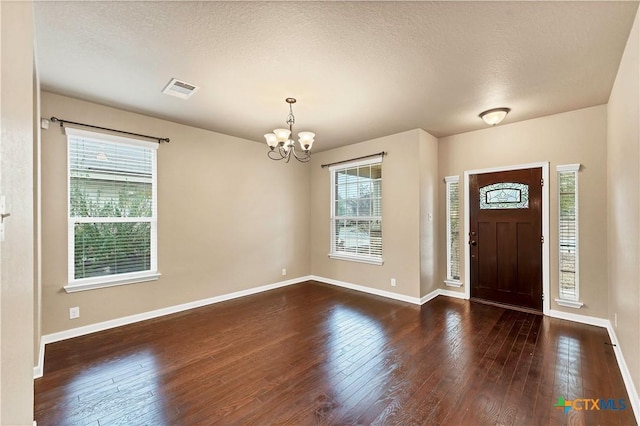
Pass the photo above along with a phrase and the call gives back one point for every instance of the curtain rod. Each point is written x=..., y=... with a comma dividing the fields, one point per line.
x=63, y=122
x=379, y=154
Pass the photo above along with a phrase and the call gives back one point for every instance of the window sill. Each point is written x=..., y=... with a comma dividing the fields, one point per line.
x=356, y=259
x=103, y=282
x=569, y=303
x=453, y=283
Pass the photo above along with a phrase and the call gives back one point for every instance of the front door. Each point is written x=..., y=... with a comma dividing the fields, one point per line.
x=505, y=237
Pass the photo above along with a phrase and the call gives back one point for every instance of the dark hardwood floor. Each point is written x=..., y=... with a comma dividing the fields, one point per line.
x=317, y=354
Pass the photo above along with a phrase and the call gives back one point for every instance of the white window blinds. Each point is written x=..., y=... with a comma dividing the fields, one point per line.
x=568, y=231
x=112, y=207
x=356, y=211
x=453, y=228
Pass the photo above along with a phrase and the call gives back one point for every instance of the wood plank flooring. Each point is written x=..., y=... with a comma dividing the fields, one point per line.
x=317, y=354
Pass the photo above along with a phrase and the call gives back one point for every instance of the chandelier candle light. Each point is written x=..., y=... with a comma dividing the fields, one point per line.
x=281, y=146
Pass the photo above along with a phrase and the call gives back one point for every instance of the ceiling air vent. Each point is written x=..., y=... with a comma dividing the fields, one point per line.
x=180, y=89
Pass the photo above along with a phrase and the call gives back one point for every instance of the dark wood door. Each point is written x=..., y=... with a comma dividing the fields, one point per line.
x=505, y=237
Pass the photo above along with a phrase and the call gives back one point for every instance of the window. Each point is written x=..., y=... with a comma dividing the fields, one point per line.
x=453, y=231
x=504, y=195
x=356, y=211
x=112, y=210
x=568, y=235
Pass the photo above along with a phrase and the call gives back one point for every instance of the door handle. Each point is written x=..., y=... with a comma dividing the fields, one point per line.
x=473, y=243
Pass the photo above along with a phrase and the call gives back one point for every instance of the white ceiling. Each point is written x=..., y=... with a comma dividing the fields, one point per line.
x=359, y=70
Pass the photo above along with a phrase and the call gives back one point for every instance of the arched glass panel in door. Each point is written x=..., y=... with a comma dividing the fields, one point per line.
x=504, y=195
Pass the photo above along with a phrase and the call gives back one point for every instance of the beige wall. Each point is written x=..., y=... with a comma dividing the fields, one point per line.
x=429, y=201
x=16, y=183
x=623, y=163
x=401, y=212
x=228, y=218
x=572, y=137
x=37, y=334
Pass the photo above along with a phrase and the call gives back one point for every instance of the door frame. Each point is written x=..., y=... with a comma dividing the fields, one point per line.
x=545, y=226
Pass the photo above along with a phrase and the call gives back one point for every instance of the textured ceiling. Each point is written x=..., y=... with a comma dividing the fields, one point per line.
x=359, y=70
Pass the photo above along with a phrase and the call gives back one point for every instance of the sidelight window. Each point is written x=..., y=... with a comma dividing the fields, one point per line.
x=453, y=230
x=568, y=235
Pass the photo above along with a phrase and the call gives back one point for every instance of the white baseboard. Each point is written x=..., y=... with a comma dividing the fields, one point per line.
x=38, y=370
x=370, y=290
x=584, y=319
x=451, y=293
x=624, y=370
x=435, y=293
x=396, y=296
x=105, y=325
x=441, y=292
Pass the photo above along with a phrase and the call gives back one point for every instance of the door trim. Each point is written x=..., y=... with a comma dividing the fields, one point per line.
x=545, y=226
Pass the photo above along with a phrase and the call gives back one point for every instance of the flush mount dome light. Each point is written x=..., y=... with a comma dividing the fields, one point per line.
x=494, y=116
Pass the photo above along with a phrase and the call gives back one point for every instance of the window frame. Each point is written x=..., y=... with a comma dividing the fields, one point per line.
x=570, y=302
x=81, y=284
x=341, y=255
x=450, y=280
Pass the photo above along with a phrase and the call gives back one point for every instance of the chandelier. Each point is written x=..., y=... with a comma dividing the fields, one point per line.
x=281, y=146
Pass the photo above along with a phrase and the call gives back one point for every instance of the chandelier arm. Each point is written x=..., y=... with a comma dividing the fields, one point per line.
x=276, y=155
x=302, y=158
x=285, y=154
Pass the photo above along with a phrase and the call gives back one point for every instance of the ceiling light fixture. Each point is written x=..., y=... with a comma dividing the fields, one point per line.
x=494, y=116
x=281, y=146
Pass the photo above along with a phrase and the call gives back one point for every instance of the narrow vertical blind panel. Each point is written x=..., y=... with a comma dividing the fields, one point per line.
x=568, y=227
x=111, y=207
x=453, y=230
x=357, y=211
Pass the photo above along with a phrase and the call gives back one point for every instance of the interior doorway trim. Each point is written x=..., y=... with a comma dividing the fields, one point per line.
x=545, y=226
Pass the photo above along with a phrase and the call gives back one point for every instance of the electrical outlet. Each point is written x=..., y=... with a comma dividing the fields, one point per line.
x=393, y=282
x=615, y=320
x=74, y=312
x=284, y=271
